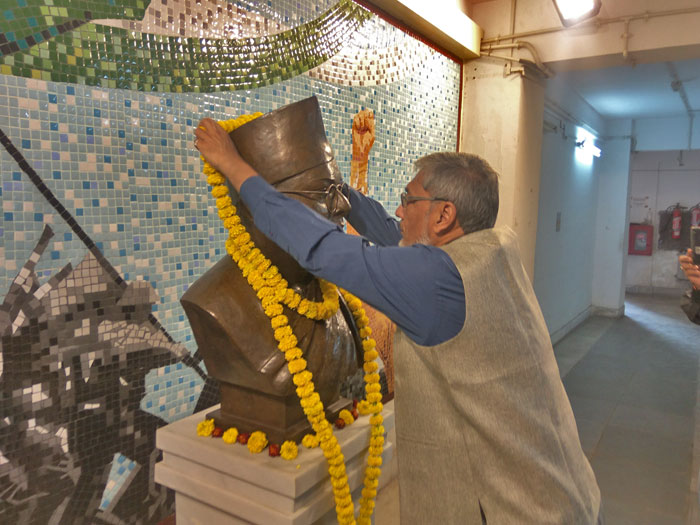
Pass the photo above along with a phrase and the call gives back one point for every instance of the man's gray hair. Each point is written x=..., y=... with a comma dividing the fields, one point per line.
x=467, y=181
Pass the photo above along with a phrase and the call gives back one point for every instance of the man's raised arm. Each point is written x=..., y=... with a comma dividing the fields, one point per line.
x=371, y=220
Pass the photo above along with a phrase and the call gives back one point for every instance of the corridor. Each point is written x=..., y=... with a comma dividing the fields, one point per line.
x=634, y=393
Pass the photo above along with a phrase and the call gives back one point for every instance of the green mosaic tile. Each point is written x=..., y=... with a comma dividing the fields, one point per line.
x=26, y=23
x=113, y=57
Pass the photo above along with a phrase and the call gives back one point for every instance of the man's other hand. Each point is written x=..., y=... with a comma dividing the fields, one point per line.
x=692, y=271
x=218, y=149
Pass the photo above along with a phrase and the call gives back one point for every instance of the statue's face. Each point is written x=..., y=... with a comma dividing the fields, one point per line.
x=319, y=191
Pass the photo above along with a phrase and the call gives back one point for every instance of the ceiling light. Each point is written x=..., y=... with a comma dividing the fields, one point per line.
x=574, y=11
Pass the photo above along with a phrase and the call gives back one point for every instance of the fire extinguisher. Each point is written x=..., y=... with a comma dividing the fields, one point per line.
x=695, y=215
x=676, y=223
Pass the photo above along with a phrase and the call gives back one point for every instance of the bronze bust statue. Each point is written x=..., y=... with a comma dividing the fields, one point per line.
x=289, y=149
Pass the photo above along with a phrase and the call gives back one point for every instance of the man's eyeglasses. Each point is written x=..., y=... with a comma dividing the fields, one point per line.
x=335, y=200
x=406, y=199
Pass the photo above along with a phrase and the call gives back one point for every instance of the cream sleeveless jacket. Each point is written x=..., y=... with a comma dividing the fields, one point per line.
x=483, y=419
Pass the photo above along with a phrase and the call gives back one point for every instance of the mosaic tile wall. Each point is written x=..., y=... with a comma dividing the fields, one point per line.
x=106, y=219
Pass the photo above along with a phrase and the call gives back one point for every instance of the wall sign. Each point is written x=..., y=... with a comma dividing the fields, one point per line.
x=640, y=239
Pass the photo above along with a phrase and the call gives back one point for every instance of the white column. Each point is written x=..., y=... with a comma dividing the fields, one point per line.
x=502, y=123
x=610, y=252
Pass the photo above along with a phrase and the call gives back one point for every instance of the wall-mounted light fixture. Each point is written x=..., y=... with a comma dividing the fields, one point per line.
x=574, y=11
x=585, y=146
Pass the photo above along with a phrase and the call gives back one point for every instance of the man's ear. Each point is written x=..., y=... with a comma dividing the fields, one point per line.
x=446, y=217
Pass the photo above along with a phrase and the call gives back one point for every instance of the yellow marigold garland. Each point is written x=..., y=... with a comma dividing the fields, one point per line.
x=310, y=441
x=373, y=406
x=273, y=292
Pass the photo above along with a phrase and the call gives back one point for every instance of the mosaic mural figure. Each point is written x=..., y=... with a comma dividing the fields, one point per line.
x=105, y=159
x=382, y=328
x=78, y=348
x=362, y=142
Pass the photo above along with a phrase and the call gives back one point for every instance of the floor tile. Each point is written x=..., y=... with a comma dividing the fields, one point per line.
x=598, y=384
x=591, y=408
x=589, y=433
x=387, y=505
x=671, y=426
x=664, y=395
x=617, y=513
x=642, y=448
x=642, y=487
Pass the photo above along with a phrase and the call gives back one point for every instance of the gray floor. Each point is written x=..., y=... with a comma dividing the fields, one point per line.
x=633, y=386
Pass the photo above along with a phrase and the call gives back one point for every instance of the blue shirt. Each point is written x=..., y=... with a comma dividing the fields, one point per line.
x=418, y=287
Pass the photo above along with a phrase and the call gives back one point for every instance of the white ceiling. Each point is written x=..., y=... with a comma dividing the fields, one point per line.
x=625, y=90
x=641, y=91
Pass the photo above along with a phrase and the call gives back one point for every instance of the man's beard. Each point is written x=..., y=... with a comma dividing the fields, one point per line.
x=422, y=239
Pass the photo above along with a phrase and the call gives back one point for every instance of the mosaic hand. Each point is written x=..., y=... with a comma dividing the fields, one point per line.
x=362, y=134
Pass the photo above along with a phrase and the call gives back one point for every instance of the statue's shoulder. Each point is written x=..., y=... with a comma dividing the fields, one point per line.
x=224, y=293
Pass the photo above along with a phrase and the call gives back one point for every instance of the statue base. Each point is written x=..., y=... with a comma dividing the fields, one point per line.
x=217, y=483
x=281, y=418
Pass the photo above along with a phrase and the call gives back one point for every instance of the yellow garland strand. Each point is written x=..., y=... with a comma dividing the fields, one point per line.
x=310, y=441
x=273, y=292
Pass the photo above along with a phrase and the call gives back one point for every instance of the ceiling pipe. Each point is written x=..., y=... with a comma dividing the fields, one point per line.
x=486, y=50
x=626, y=39
x=512, y=20
x=677, y=86
x=558, y=111
x=690, y=131
x=509, y=62
x=597, y=22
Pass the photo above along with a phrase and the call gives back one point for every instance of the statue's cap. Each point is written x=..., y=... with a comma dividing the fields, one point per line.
x=286, y=142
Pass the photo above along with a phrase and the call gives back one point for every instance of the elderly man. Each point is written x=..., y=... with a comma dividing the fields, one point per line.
x=485, y=432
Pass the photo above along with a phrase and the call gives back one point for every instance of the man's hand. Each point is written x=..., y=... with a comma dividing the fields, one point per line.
x=218, y=149
x=692, y=271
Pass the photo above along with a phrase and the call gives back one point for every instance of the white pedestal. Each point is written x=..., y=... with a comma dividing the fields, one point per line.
x=216, y=483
